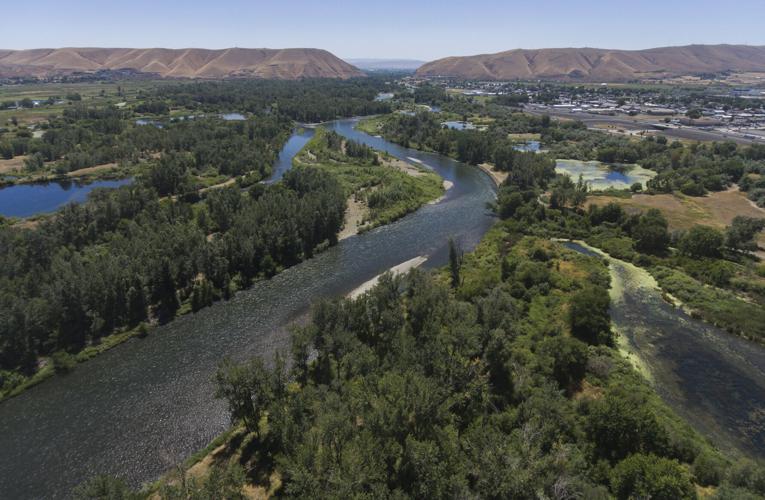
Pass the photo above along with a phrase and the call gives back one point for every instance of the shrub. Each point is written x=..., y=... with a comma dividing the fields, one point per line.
x=701, y=241
x=620, y=423
x=649, y=476
x=63, y=362
x=588, y=315
x=748, y=474
x=708, y=469
x=691, y=188
x=650, y=232
x=104, y=488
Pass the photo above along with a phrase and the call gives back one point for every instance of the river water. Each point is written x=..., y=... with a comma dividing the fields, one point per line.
x=294, y=144
x=715, y=380
x=143, y=407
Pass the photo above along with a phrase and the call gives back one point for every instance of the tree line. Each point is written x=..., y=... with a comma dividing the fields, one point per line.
x=307, y=100
x=127, y=257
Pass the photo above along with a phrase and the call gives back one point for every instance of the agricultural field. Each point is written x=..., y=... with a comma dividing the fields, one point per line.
x=63, y=95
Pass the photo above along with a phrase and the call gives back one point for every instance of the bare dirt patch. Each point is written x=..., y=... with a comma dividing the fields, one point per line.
x=405, y=167
x=91, y=170
x=15, y=164
x=716, y=209
x=355, y=213
x=497, y=176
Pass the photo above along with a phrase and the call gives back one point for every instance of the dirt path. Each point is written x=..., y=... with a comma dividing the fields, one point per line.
x=355, y=212
x=229, y=182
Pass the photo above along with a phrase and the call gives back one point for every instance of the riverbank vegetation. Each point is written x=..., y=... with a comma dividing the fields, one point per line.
x=92, y=275
x=504, y=384
x=724, y=286
x=220, y=123
x=711, y=271
x=383, y=188
x=129, y=256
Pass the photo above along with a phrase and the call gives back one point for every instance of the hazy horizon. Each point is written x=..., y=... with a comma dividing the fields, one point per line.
x=394, y=30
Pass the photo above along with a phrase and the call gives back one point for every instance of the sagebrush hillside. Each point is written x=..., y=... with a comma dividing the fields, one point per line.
x=599, y=64
x=178, y=63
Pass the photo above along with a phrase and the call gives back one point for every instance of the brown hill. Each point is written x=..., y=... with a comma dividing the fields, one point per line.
x=599, y=64
x=178, y=63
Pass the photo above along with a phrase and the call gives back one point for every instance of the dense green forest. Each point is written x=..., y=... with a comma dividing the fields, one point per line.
x=86, y=136
x=385, y=188
x=163, y=245
x=128, y=257
x=308, y=101
x=186, y=118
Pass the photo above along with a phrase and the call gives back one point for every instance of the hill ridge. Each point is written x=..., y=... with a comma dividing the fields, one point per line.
x=595, y=64
x=232, y=62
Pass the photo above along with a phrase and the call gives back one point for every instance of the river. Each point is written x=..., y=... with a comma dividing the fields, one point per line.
x=716, y=381
x=143, y=407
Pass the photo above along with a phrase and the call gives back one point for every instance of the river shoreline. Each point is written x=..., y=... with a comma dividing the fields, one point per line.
x=354, y=214
x=496, y=176
x=396, y=270
x=667, y=346
x=159, y=392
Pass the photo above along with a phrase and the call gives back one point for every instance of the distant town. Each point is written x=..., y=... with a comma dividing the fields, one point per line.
x=718, y=112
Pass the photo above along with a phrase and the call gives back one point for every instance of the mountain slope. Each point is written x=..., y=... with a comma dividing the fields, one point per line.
x=599, y=64
x=178, y=63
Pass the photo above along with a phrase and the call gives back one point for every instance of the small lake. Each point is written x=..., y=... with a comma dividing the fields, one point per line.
x=459, y=125
x=146, y=121
x=25, y=200
x=233, y=117
x=601, y=175
x=528, y=147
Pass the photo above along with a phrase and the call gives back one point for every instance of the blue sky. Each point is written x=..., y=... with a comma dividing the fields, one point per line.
x=382, y=29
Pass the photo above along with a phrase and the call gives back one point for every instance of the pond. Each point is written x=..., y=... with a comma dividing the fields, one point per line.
x=454, y=125
x=146, y=121
x=233, y=117
x=26, y=200
x=528, y=146
x=601, y=175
